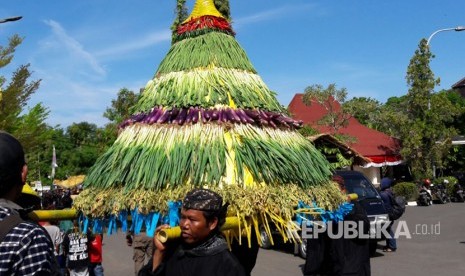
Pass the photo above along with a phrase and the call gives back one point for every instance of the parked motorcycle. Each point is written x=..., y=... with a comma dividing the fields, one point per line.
x=424, y=197
x=424, y=194
x=439, y=192
x=458, y=193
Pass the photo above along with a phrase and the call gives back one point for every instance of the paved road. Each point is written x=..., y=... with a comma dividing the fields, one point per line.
x=436, y=247
x=428, y=253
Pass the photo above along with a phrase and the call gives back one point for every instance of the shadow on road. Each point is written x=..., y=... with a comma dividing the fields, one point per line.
x=282, y=247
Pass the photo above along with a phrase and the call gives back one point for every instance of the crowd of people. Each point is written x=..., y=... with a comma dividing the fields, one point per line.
x=56, y=199
x=76, y=253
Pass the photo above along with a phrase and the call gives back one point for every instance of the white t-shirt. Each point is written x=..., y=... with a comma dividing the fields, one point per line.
x=56, y=236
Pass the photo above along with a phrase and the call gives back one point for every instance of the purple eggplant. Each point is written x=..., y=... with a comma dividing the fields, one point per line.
x=271, y=114
x=249, y=120
x=235, y=116
x=254, y=114
x=244, y=118
x=141, y=117
x=221, y=116
x=174, y=114
x=155, y=110
x=202, y=115
x=152, y=117
x=272, y=124
x=264, y=116
x=158, y=113
x=242, y=115
x=206, y=113
x=151, y=120
x=146, y=119
x=138, y=117
x=288, y=120
x=149, y=115
x=189, y=115
x=164, y=118
x=215, y=115
x=227, y=116
x=195, y=116
x=297, y=124
x=123, y=125
x=264, y=122
x=181, y=116
x=279, y=120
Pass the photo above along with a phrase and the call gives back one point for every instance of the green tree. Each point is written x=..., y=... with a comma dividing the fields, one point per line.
x=35, y=136
x=121, y=107
x=43, y=157
x=77, y=148
x=307, y=131
x=15, y=97
x=223, y=7
x=365, y=110
x=16, y=117
x=180, y=16
x=455, y=159
x=459, y=101
x=391, y=116
x=425, y=135
x=82, y=133
x=7, y=53
x=106, y=136
x=330, y=99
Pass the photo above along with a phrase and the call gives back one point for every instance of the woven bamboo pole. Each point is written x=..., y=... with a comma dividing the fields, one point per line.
x=175, y=232
x=53, y=214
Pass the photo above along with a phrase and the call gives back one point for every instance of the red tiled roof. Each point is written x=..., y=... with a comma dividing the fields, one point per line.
x=369, y=142
x=347, y=152
x=459, y=84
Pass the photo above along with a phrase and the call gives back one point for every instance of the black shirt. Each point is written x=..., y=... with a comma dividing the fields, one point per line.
x=213, y=258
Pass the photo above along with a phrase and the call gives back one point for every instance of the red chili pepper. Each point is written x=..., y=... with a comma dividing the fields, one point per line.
x=203, y=22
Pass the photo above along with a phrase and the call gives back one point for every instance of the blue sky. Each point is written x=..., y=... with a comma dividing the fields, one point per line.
x=85, y=51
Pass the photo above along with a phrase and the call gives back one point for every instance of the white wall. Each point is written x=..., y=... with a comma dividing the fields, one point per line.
x=372, y=173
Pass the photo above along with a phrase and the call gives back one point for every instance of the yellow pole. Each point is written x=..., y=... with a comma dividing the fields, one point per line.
x=175, y=232
x=352, y=197
x=53, y=214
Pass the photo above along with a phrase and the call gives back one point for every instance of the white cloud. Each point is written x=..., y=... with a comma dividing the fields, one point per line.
x=355, y=72
x=135, y=44
x=73, y=101
x=61, y=41
x=75, y=86
x=273, y=14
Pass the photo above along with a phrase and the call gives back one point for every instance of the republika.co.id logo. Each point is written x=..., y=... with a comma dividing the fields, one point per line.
x=354, y=229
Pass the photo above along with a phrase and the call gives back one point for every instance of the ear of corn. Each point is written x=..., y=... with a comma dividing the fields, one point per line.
x=261, y=205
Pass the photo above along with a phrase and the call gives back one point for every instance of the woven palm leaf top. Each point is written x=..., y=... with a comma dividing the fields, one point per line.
x=207, y=119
